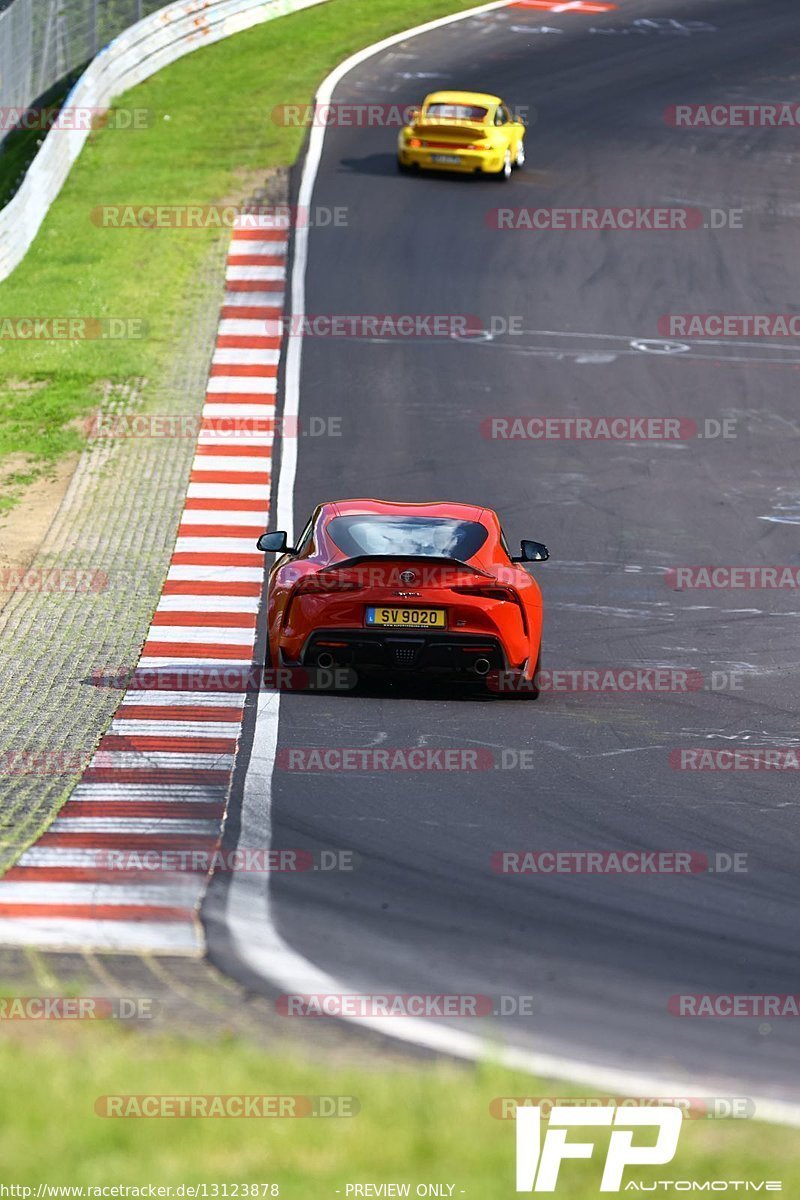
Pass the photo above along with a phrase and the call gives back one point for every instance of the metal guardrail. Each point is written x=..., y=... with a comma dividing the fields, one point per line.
x=144, y=48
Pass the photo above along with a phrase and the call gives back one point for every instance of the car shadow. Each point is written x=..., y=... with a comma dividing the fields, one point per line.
x=386, y=164
x=435, y=690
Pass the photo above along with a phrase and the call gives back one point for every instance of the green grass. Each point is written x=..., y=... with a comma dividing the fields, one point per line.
x=416, y=1124
x=210, y=139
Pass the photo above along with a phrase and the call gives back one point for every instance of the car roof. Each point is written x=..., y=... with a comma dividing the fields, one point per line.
x=460, y=97
x=431, y=508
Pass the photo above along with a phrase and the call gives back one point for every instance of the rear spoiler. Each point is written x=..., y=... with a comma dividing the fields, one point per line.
x=422, y=559
x=438, y=127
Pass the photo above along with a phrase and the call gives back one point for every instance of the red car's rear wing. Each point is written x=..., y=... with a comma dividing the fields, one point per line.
x=421, y=561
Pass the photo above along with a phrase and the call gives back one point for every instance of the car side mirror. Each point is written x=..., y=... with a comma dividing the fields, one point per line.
x=532, y=552
x=274, y=543
x=413, y=115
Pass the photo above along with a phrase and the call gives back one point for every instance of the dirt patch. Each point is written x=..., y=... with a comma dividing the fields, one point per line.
x=22, y=529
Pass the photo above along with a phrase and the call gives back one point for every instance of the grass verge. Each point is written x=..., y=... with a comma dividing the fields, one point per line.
x=428, y=1124
x=211, y=137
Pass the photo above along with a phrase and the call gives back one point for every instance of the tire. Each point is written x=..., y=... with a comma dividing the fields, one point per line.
x=526, y=693
x=533, y=694
x=402, y=167
x=519, y=161
x=504, y=174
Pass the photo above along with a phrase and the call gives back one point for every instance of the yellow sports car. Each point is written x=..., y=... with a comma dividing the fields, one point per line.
x=462, y=131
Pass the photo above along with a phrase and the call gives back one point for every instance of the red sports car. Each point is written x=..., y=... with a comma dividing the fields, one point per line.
x=417, y=588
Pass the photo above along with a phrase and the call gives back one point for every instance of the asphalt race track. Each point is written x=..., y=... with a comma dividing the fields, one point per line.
x=600, y=955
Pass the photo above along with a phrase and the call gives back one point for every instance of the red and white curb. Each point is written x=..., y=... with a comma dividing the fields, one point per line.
x=559, y=6
x=159, y=779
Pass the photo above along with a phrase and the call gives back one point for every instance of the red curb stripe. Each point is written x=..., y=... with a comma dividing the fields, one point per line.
x=266, y=399
x=588, y=6
x=256, y=260
x=239, y=450
x=179, y=712
x=260, y=235
x=217, y=620
x=217, y=531
x=197, y=650
x=98, y=912
x=192, y=775
x=203, y=587
x=262, y=286
x=247, y=341
x=158, y=810
x=246, y=369
x=222, y=504
x=98, y=875
x=136, y=743
x=128, y=841
x=202, y=558
x=228, y=477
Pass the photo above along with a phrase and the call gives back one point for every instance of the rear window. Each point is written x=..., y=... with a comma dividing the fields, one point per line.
x=457, y=112
x=429, y=537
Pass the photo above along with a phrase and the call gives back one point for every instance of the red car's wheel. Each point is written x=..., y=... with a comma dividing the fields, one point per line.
x=524, y=689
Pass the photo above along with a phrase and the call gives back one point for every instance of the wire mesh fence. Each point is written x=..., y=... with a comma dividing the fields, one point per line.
x=43, y=41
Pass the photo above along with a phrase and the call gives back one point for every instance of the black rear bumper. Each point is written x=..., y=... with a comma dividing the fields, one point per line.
x=387, y=650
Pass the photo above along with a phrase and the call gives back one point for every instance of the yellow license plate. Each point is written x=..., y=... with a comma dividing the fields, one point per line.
x=407, y=618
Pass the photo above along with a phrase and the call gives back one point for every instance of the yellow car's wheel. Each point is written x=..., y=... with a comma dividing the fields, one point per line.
x=520, y=159
x=505, y=170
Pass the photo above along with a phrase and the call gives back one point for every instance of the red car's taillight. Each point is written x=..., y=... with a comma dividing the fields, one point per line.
x=495, y=593
x=489, y=593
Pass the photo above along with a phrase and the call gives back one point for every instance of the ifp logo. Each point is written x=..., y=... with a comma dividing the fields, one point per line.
x=538, y=1165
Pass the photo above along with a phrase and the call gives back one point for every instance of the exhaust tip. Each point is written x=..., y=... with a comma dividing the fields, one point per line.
x=324, y=660
x=481, y=666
